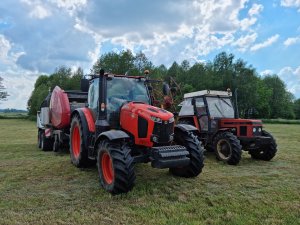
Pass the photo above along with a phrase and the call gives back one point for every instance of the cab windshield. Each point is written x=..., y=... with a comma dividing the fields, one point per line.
x=122, y=89
x=220, y=107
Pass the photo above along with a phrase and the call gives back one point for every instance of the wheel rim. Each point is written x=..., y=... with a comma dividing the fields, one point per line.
x=76, y=141
x=224, y=149
x=107, y=168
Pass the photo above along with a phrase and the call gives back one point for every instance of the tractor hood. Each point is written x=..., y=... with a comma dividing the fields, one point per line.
x=147, y=111
x=226, y=122
x=147, y=124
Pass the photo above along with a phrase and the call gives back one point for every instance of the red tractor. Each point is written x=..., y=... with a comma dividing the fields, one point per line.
x=119, y=127
x=220, y=129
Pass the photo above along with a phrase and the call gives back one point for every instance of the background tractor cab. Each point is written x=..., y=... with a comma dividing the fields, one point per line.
x=220, y=129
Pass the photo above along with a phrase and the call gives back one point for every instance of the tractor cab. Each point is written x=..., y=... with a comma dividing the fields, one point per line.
x=205, y=109
x=220, y=129
x=119, y=91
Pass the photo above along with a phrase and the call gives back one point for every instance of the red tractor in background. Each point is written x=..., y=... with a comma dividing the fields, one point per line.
x=117, y=127
x=220, y=129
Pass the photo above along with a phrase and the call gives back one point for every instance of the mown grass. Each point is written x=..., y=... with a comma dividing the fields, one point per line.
x=45, y=188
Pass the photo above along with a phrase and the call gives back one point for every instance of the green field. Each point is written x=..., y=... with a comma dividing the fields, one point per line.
x=45, y=188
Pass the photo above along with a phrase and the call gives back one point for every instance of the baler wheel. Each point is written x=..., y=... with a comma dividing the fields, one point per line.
x=194, y=147
x=115, y=167
x=267, y=152
x=46, y=143
x=39, y=141
x=228, y=148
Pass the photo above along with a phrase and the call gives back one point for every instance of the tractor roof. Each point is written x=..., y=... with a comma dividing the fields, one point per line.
x=208, y=93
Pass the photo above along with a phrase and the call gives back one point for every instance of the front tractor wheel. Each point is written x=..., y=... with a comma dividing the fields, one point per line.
x=78, y=149
x=115, y=167
x=193, y=146
x=228, y=148
x=267, y=152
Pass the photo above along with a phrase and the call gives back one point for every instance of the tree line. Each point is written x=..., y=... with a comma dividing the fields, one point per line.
x=258, y=97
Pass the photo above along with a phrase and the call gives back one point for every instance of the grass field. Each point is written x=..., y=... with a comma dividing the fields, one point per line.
x=45, y=188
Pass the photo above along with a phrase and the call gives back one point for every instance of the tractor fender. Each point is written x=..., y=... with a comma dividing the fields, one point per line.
x=112, y=135
x=185, y=128
x=86, y=118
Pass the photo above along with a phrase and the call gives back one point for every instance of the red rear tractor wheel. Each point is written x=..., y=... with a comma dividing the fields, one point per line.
x=267, y=152
x=228, y=148
x=193, y=146
x=78, y=149
x=115, y=167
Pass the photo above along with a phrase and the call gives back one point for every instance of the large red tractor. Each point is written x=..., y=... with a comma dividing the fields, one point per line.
x=220, y=129
x=119, y=127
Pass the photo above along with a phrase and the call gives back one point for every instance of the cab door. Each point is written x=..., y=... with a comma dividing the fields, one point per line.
x=201, y=113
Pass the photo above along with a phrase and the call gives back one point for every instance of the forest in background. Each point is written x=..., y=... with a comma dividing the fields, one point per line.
x=258, y=96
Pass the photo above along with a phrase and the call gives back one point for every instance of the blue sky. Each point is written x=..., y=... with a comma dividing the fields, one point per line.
x=36, y=36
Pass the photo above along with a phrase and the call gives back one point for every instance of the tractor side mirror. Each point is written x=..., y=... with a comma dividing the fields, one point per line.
x=84, y=85
x=166, y=89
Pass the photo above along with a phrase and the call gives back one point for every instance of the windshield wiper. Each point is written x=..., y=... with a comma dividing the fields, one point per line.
x=225, y=102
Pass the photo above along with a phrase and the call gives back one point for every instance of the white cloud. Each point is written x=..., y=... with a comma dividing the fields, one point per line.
x=244, y=42
x=39, y=12
x=70, y=5
x=291, y=76
x=266, y=72
x=7, y=55
x=291, y=3
x=4, y=48
x=265, y=44
x=256, y=9
x=19, y=87
x=291, y=41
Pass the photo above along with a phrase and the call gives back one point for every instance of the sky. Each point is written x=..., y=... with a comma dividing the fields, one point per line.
x=37, y=36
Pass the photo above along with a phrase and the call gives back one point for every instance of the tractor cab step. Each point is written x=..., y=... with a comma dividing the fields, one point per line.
x=169, y=156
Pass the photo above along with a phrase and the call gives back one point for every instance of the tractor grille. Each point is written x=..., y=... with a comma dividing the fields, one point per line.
x=163, y=131
x=142, y=127
x=243, y=131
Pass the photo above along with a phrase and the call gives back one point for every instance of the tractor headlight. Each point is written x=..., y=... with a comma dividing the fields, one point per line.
x=155, y=139
x=156, y=119
x=254, y=129
x=259, y=129
x=171, y=120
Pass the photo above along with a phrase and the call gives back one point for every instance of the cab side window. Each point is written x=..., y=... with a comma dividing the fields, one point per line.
x=93, y=94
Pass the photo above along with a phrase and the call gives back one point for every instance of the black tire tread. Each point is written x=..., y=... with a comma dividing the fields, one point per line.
x=267, y=152
x=236, y=147
x=193, y=145
x=123, y=167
